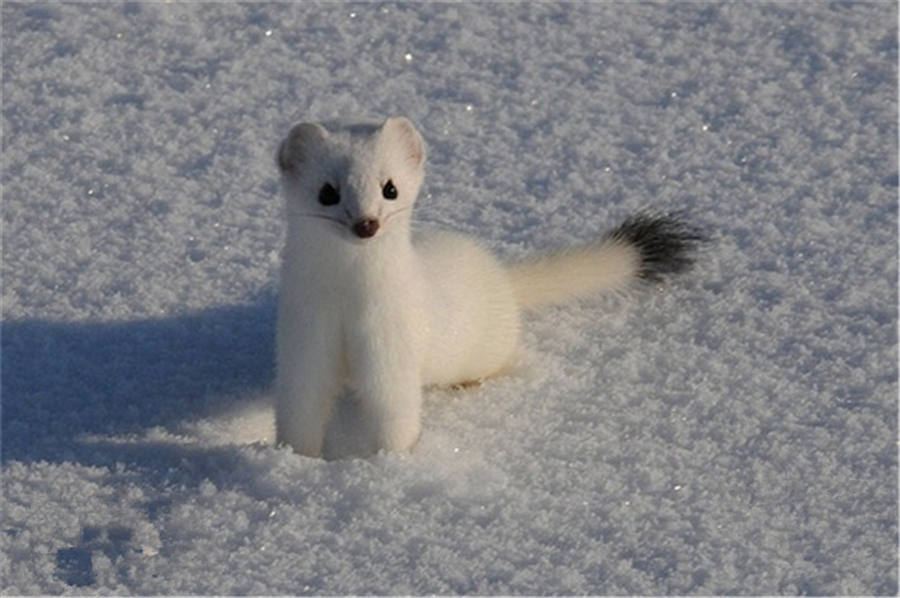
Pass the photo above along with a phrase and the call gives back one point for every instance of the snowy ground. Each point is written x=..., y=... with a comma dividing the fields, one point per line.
x=734, y=432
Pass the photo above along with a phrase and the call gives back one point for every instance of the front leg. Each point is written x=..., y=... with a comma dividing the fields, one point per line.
x=393, y=412
x=309, y=378
x=385, y=377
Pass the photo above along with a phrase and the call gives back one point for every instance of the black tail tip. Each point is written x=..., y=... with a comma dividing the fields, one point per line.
x=668, y=243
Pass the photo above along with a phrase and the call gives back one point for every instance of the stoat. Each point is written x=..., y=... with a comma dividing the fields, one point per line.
x=367, y=309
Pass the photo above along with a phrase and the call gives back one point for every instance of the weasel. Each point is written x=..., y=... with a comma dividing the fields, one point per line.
x=367, y=308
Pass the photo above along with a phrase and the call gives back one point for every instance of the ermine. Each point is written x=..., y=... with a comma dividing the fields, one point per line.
x=370, y=309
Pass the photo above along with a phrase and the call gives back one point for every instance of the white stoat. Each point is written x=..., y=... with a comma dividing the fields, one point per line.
x=365, y=308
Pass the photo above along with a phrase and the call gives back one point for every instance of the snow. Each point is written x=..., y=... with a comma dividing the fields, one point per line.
x=732, y=432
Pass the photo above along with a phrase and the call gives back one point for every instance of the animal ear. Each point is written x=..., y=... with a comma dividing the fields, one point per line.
x=404, y=132
x=294, y=150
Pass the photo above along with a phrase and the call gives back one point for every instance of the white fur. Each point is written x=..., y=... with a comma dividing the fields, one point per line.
x=379, y=317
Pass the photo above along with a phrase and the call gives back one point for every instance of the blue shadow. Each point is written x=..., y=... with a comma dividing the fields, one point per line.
x=62, y=380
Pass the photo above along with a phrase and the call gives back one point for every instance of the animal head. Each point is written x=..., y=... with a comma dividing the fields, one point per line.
x=362, y=179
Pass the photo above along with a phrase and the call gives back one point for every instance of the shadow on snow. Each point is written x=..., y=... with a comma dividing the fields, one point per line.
x=62, y=380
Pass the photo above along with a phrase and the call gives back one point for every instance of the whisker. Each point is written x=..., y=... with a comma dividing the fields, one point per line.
x=335, y=221
x=434, y=220
x=426, y=214
x=319, y=216
x=390, y=216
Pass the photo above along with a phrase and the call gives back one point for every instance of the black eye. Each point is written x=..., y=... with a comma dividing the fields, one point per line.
x=389, y=191
x=328, y=195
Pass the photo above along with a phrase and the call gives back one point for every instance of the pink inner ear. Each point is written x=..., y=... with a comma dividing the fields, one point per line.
x=407, y=134
x=287, y=159
x=291, y=154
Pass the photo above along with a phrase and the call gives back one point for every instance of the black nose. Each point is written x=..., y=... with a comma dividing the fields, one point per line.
x=365, y=228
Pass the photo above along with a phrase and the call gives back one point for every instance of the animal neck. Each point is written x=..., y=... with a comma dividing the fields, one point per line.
x=323, y=246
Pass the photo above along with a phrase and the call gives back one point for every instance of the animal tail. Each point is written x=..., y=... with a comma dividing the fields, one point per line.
x=644, y=247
